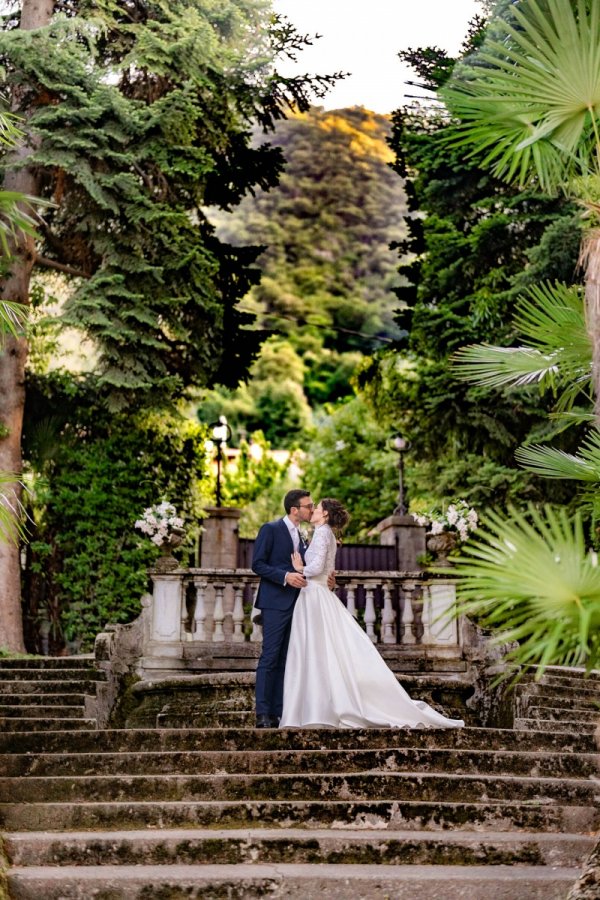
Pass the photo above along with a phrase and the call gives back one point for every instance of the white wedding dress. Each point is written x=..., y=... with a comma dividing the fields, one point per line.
x=334, y=676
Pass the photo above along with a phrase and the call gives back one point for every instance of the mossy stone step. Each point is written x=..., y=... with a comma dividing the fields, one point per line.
x=139, y=740
x=387, y=759
x=381, y=814
x=299, y=881
x=566, y=726
x=84, y=673
x=50, y=724
x=332, y=846
x=423, y=786
x=37, y=711
x=48, y=662
x=560, y=714
x=75, y=699
x=35, y=688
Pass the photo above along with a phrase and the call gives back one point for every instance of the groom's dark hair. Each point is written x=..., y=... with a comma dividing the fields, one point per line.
x=293, y=498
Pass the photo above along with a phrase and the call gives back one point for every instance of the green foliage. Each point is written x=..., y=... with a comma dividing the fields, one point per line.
x=86, y=564
x=531, y=579
x=473, y=246
x=348, y=457
x=141, y=118
x=254, y=473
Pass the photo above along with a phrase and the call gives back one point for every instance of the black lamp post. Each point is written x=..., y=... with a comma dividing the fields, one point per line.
x=221, y=433
x=400, y=445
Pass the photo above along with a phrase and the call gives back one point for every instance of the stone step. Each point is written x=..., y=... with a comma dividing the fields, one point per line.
x=138, y=740
x=558, y=690
x=300, y=881
x=408, y=815
x=563, y=702
x=37, y=712
x=397, y=663
x=84, y=673
x=43, y=699
x=387, y=759
x=566, y=726
x=48, y=662
x=562, y=714
x=8, y=688
x=27, y=725
x=289, y=845
x=406, y=785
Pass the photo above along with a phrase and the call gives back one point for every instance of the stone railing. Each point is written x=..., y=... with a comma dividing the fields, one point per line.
x=214, y=606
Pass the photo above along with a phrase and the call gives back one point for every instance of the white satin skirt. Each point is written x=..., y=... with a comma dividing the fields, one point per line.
x=335, y=678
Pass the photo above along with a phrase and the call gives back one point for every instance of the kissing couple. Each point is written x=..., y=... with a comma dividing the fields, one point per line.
x=318, y=668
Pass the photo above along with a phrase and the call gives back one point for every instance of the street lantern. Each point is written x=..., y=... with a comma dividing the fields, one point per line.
x=400, y=445
x=221, y=433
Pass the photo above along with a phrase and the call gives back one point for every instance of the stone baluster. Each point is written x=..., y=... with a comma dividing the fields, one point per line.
x=388, y=617
x=200, y=611
x=218, y=614
x=351, y=598
x=370, y=616
x=184, y=634
x=238, y=635
x=426, y=618
x=408, y=619
x=256, y=633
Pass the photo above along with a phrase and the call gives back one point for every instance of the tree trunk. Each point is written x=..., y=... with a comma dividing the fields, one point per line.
x=590, y=261
x=34, y=14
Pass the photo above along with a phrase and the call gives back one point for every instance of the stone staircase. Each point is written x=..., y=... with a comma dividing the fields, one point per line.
x=47, y=693
x=157, y=814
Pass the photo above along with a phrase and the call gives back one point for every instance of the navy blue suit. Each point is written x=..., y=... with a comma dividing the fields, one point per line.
x=271, y=560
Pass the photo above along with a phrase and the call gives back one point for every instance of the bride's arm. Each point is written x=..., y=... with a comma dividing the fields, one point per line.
x=317, y=552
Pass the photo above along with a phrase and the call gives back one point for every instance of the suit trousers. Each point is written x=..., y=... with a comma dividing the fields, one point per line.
x=270, y=671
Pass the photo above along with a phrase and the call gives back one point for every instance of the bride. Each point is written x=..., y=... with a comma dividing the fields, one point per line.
x=334, y=676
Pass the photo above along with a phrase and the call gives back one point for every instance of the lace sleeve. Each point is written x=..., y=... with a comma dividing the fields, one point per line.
x=316, y=555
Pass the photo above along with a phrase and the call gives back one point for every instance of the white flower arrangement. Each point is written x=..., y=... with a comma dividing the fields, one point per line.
x=160, y=523
x=459, y=517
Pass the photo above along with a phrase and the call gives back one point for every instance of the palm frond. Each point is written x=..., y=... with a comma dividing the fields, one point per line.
x=502, y=366
x=552, y=463
x=17, y=216
x=12, y=512
x=529, y=98
x=12, y=317
x=530, y=578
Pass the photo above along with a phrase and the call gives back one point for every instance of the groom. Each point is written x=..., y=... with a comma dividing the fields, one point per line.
x=277, y=593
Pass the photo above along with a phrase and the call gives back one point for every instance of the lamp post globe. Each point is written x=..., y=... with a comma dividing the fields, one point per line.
x=400, y=445
x=221, y=433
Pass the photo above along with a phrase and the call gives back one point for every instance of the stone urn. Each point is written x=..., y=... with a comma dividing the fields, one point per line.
x=440, y=545
x=166, y=562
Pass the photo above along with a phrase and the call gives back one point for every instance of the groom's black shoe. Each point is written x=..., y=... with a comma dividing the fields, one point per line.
x=264, y=722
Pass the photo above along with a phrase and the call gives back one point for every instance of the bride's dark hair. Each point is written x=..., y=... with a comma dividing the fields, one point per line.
x=337, y=515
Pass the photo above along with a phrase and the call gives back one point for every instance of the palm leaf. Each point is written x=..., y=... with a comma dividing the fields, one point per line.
x=12, y=317
x=12, y=511
x=502, y=366
x=17, y=215
x=530, y=579
x=552, y=463
x=529, y=100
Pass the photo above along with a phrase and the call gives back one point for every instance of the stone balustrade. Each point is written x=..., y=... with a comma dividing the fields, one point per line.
x=214, y=606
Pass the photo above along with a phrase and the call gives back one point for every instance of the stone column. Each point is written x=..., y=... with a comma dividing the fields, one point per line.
x=219, y=550
x=408, y=538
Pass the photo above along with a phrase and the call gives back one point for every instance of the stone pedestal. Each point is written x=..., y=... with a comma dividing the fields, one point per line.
x=408, y=538
x=219, y=548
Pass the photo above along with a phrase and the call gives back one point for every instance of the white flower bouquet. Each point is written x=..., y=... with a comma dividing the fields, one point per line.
x=161, y=524
x=459, y=518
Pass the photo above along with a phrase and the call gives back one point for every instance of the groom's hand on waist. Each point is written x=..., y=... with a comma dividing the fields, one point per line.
x=331, y=581
x=295, y=579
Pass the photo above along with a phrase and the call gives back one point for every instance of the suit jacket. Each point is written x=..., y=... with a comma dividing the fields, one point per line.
x=271, y=560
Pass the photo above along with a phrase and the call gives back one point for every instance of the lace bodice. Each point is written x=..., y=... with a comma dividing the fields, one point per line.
x=320, y=556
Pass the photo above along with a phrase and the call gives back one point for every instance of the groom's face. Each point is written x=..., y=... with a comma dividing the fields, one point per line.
x=305, y=509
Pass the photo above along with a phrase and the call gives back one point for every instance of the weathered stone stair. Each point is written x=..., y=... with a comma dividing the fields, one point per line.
x=47, y=693
x=170, y=813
